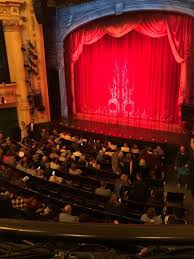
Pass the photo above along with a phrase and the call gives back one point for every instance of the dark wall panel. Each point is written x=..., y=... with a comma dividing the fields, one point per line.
x=9, y=121
x=4, y=69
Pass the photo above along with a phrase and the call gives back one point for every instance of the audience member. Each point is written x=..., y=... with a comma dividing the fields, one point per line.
x=74, y=170
x=58, y=154
x=139, y=192
x=66, y=217
x=103, y=191
x=32, y=130
x=24, y=132
x=151, y=218
x=182, y=166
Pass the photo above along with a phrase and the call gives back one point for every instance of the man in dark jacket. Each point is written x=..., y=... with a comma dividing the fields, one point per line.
x=32, y=130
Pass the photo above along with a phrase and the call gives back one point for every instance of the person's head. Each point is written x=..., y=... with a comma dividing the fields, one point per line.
x=82, y=158
x=151, y=213
x=142, y=162
x=55, y=132
x=16, y=177
x=114, y=199
x=8, y=141
x=138, y=177
x=125, y=145
x=102, y=184
x=182, y=149
x=23, y=123
x=67, y=209
x=73, y=166
x=35, y=158
x=101, y=153
x=124, y=179
x=32, y=121
x=44, y=159
x=120, y=154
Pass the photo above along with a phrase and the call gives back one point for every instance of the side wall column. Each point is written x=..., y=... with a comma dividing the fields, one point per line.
x=15, y=56
x=62, y=83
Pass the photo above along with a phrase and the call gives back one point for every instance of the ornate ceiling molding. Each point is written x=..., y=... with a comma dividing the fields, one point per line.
x=71, y=17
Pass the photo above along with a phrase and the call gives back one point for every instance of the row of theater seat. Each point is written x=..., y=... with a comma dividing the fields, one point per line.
x=87, y=202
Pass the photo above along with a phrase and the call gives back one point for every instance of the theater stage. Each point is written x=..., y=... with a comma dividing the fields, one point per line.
x=126, y=132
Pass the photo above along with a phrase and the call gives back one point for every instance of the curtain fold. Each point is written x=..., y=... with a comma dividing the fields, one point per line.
x=177, y=28
x=153, y=26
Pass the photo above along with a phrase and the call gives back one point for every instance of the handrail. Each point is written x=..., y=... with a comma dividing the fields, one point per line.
x=165, y=234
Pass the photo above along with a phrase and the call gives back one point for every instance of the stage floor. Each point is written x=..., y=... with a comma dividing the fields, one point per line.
x=126, y=132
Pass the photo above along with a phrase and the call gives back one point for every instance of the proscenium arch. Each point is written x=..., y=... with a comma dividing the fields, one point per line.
x=71, y=17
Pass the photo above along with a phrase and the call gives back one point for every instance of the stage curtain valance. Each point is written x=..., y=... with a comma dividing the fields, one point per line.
x=178, y=28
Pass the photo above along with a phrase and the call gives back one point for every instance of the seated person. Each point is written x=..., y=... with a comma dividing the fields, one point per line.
x=112, y=146
x=67, y=136
x=82, y=161
x=63, y=156
x=39, y=173
x=100, y=157
x=76, y=155
x=135, y=149
x=32, y=205
x=114, y=205
x=74, y=170
x=151, y=218
x=44, y=134
x=124, y=186
x=55, y=179
x=172, y=220
x=45, y=163
x=93, y=164
x=125, y=148
x=7, y=210
x=46, y=211
x=149, y=151
x=66, y=217
x=102, y=191
x=35, y=163
x=139, y=192
x=16, y=180
x=158, y=151
x=54, y=164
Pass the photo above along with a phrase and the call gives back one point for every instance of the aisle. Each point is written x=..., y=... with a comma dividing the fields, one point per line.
x=172, y=186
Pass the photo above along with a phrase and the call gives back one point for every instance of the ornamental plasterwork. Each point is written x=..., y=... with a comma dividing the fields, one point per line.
x=10, y=14
x=12, y=25
x=10, y=9
x=71, y=17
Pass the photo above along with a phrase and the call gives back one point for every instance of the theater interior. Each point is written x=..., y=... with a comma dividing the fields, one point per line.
x=97, y=129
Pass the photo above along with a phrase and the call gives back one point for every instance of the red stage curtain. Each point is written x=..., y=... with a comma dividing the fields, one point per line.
x=134, y=76
x=149, y=63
